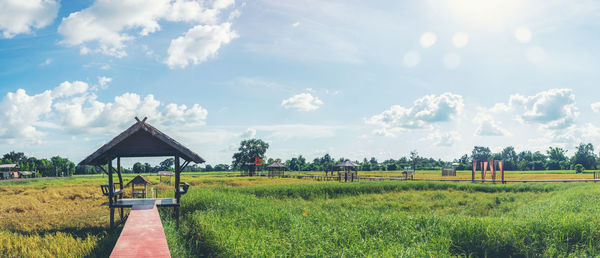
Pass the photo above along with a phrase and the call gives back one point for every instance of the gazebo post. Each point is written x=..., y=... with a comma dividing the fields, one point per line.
x=177, y=193
x=110, y=194
x=120, y=181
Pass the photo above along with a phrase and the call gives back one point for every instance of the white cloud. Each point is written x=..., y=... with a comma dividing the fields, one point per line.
x=554, y=108
x=302, y=102
x=103, y=81
x=22, y=16
x=72, y=107
x=573, y=135
x=488, y=126
x=108, y=23
x=424, y=112
x=67, y=89
x=21, y=114
x=446, y=139
x=296, y=24
x=199, y=44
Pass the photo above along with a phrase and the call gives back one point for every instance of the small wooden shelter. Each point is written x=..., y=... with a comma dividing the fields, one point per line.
x=139, y=186
x=140, y=140
x=349, y=171
x=8, y=171
x=276, y=169
x=165, y=173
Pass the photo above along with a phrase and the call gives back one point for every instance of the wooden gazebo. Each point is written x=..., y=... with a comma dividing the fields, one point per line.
x=349, y=171
x=139, y=186
x=276, y=169
x=140, y=140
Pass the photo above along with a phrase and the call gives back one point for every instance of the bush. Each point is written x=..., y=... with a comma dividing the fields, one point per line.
x=579, y=168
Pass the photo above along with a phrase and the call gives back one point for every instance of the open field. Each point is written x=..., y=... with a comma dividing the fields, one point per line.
x=227, y=215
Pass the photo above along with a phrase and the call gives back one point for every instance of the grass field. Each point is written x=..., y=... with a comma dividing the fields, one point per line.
x=227, y=215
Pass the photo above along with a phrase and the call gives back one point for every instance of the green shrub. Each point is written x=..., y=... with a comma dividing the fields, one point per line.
x=579, y=168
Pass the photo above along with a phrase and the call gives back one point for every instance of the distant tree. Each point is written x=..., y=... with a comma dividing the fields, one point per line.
x=208, y=168
x=148, y=168
x=509, y=158
x=556, y=158
x=481, y=153
x=248, y=150
x=138, y=168
x=365, y=165
x=327, y=162
x=221, y=167
x=374, y=163
x=414, y=159
x=15, y=157
x=167, y=164
x=585, y=156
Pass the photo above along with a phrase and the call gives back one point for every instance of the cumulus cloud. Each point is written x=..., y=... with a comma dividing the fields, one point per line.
x=67, y=89
x=199, y=44
x=425, y=111
x=571, y=136
x=21, y=114
x=444, y=139
x=554, y=108
x=73, y=108
x=108, y=23
x=302, y=102
x=488, y=126
x=22, y=16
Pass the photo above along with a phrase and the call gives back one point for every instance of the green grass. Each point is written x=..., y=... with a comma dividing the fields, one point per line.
x=390, y=219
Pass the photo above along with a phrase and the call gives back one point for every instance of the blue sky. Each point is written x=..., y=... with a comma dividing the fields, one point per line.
x=350, y=78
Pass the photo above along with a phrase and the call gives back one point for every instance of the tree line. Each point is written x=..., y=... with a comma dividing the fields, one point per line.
x=55, y=166
x=554, y=158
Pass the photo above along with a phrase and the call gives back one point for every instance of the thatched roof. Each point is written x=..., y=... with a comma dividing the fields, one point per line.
x=165, y=173
x=141, y=140
x=276, y=164
x=9, y=166
x=347, y=163
x=139, y=180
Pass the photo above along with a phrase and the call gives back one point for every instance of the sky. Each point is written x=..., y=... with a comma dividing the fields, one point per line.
x=351, y=78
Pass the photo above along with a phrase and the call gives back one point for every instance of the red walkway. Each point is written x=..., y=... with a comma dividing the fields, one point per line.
x=143, y=235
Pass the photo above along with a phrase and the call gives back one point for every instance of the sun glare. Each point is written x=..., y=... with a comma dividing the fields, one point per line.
x=489, y=12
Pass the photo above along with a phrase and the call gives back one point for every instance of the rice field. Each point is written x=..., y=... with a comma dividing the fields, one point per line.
x=226, y=215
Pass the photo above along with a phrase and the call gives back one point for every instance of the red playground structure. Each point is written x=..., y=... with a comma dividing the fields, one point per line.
x=494, y=165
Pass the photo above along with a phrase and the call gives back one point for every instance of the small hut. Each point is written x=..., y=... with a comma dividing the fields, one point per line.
x=350, y=171
x=139, y=186
x=165, y=173
x=8, y=171
x=140, y=140
x=276, y=169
